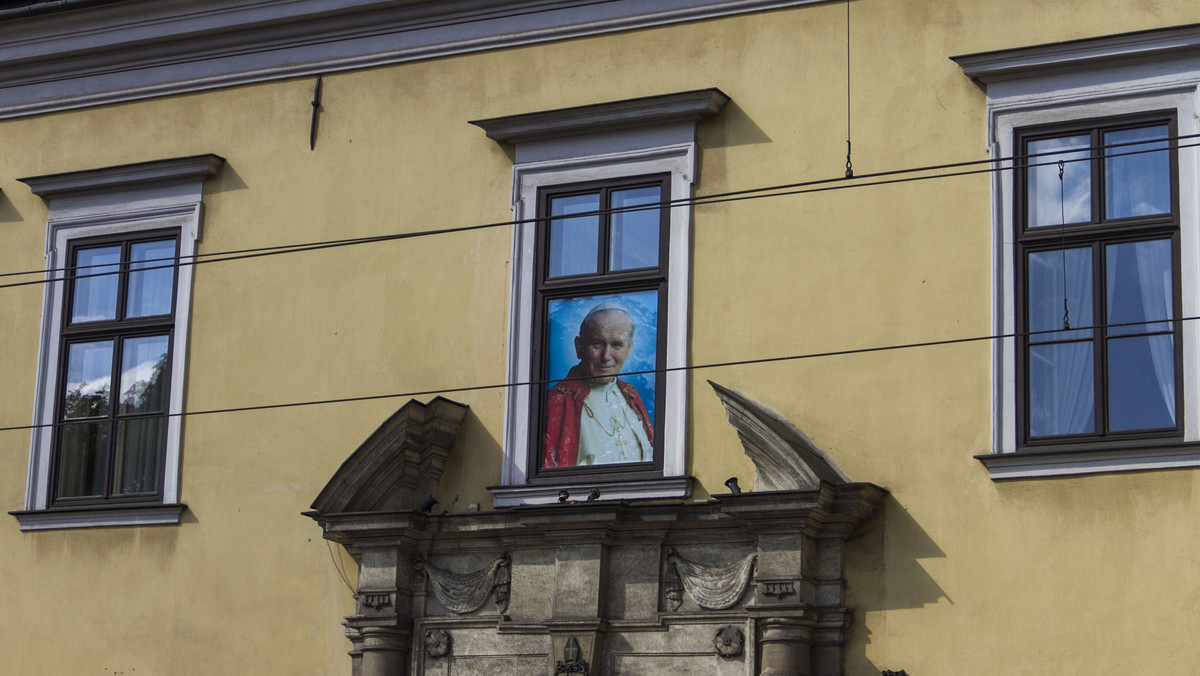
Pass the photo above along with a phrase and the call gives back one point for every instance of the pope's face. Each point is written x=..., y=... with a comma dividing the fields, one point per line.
x=603, y=345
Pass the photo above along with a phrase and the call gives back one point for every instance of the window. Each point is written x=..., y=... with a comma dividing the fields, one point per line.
x=1114, y=388
x=1097, y=247
x=117, y=330
x=602, y=291
x=600, y=285
x=114, y=344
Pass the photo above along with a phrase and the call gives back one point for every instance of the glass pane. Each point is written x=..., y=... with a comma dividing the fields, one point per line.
x=150, y=290
x=1141, y=383
x=139, y=445
x=1062, y=397
x=1048, y=287
x=1139, y=286
x=602, y=352
x=95, y=297
x=1054, y=202
x=89, y=379
x=1137, y=183
x=574, y=242
x=81, y=459
x=634, y=238
x=143, y=375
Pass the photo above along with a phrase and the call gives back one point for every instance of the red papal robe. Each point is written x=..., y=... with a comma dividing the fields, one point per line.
x=564, y=410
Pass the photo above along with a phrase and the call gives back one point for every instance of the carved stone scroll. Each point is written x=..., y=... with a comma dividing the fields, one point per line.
x=713, y=587
x=785, y=459
x=466, y=593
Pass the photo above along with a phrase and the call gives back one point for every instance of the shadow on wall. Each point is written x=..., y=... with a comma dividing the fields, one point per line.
x=733, y=127
x=8, y=212
x=226, y=180
x=476, y=448
x=884, y=572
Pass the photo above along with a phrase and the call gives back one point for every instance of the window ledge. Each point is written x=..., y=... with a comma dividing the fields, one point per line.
x=97, y=517
x=514, y=496
x=1035, y=465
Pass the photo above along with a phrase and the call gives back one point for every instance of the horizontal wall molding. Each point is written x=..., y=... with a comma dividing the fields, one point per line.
x=1026, y=465
x=1076, y=55
x=146, y=515
x=177, y=170
x=148, y=48
x=605, y=117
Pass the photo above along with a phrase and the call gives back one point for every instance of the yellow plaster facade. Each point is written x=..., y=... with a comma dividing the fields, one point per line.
x=954, y=574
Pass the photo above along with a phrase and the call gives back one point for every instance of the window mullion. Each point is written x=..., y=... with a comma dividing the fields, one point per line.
x=1099, y=187
x=605, y=231
x=1100, y=334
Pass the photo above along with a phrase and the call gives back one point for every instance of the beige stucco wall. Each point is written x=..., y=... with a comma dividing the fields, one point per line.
x=955, y=575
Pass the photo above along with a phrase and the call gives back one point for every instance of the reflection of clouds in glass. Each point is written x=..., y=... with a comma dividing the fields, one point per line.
x=1051, y=201
x=89, y=367
x=140, y=373
x=95, y=386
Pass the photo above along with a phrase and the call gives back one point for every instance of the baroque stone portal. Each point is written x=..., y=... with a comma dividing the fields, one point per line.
x=747, y=582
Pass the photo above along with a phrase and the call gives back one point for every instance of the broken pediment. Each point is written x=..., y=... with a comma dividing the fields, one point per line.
x=399, y=466
x=785, y=459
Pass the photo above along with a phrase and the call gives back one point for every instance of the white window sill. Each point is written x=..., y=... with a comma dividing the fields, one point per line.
x=98, y=517
x=548, y=494
x=1046, y=464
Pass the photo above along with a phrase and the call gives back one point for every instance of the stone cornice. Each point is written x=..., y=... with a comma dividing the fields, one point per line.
x=145, y=48
x=830, y=510
x=194, y=168
x=1077, y=55
x=603, y=117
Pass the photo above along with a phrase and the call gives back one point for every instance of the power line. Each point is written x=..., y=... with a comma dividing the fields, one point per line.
x=787, y=189
x=665, y=370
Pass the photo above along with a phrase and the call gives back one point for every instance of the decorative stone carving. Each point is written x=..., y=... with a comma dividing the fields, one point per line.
x=399, y=465
x=437, y=643
x=785, y=459
x=729, y=642
x=602, y=547
x=713, y=587
x=777, y=588
x=376, y=600
x=572, y=662
x=503, y=588
x=466, y=593
x=672, y=588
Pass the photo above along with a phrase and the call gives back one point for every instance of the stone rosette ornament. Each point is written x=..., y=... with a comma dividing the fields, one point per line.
x=729, y=642
x=437, y=643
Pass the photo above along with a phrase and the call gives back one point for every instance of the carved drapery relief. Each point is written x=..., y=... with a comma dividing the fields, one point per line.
x=713, y=587
x=672, y=588
x=466, y=593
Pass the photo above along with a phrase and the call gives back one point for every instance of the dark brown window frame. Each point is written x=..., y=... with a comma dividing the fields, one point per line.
x=547, y=289
x=119, y=329
x=1096, y=234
